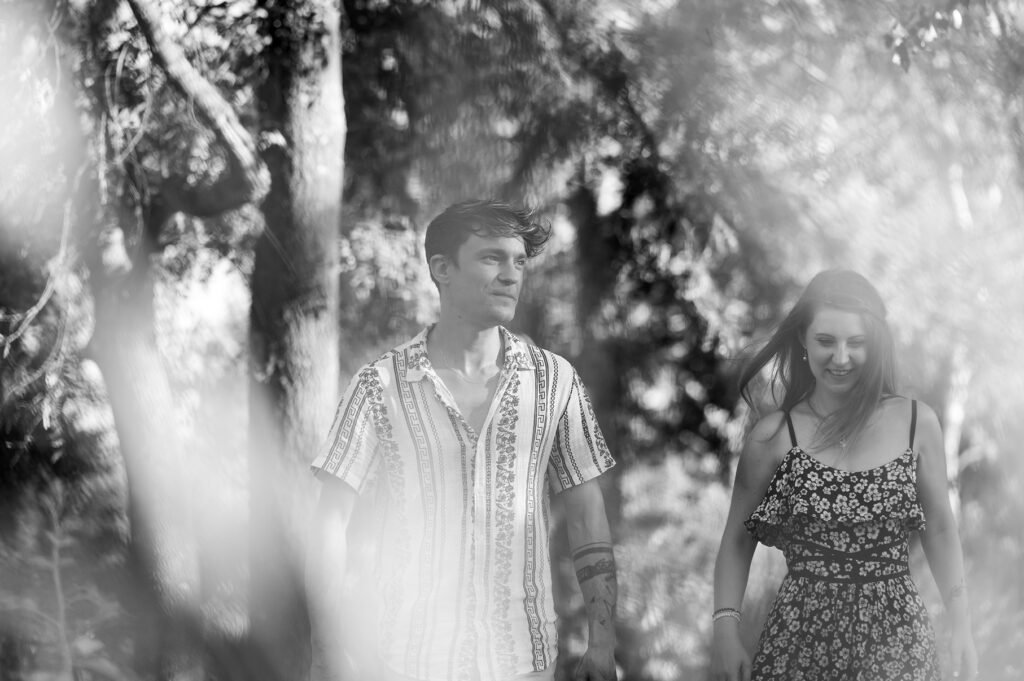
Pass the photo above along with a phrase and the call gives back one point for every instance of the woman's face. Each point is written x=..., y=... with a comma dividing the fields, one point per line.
x=837, y=349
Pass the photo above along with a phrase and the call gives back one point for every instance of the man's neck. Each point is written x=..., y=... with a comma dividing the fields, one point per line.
x=459, y=346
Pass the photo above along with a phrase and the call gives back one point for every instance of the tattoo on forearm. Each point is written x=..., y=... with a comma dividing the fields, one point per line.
x=602, y=567
x=604, y=609
x=589, y=549
x=601, y=594
x=597, y=581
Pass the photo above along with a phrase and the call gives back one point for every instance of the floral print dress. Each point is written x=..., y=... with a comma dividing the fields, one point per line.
x=847, y=610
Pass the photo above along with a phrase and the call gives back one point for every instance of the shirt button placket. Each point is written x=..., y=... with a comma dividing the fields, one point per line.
x=481, y=484
x=478, y=529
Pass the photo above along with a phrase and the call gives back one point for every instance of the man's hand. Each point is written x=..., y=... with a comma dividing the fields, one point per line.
x=597, y=664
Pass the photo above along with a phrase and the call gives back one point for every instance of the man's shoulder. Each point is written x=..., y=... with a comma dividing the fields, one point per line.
x=540, y=358
x=557, y=372
x=554, y=359
x=404, y=356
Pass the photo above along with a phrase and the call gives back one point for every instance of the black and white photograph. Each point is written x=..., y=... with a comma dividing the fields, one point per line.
x=511, y=340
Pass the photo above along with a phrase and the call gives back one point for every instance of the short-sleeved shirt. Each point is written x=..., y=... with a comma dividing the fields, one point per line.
x=462, y=561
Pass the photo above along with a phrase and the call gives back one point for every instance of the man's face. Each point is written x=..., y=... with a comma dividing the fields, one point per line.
x=485, y=279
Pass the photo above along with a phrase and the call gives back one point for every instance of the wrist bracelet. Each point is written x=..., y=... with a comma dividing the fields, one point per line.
x=726, y=612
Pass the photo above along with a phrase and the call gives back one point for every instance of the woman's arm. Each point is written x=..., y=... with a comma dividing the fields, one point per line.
x=941, y=540
x=761, y=455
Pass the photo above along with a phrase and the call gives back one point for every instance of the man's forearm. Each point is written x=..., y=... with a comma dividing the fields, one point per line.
x=326, y=562
x=324, y=593
x=596, y=574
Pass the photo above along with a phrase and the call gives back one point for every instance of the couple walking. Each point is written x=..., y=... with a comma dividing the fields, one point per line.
x=458, y=437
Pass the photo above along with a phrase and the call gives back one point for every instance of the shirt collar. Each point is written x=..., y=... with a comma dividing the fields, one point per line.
x=517, y=355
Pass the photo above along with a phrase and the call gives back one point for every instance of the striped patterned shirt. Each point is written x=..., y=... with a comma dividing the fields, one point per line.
x=461, y=559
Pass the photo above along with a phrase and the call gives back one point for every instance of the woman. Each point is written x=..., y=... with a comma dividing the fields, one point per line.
x=837, y=478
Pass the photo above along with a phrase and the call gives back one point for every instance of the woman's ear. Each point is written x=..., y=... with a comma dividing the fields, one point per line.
x=440, y=268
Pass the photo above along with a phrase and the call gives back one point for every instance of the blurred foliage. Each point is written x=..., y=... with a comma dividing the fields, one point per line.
x=699, y=162
x=672, y=521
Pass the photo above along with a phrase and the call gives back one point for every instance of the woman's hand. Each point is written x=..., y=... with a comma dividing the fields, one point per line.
x=963, y=656
x=729, y=660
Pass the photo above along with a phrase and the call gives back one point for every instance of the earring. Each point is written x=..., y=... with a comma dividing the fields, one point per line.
x=805, y=356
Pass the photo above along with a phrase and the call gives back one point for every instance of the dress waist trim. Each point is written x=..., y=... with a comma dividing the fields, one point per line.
x=824, y=564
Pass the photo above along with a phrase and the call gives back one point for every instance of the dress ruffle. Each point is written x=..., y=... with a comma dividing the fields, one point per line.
x=803, y=491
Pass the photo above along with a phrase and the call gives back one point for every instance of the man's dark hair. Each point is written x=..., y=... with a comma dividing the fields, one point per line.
x=489, y=218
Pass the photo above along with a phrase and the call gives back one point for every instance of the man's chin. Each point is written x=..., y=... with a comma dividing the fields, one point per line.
x=503, y=316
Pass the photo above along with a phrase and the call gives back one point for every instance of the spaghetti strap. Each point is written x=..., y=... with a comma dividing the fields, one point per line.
x=913, y=421
x=792, y=431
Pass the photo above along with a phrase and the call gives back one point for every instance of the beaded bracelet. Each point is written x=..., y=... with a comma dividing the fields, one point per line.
x=726, y=612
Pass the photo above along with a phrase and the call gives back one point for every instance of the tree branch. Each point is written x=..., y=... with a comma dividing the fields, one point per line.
x=203, y=11
x=56, y=269
x=249, y=179
x=615, y=83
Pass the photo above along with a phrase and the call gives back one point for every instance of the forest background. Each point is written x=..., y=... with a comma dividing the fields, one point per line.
x=211, y=214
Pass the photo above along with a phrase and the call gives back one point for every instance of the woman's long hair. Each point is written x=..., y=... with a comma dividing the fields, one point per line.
x=790, y=374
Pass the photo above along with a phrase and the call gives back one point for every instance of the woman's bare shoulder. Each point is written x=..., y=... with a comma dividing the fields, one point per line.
x=764, y=450
x=768, y=438
x=900, y=407
x=768, y=427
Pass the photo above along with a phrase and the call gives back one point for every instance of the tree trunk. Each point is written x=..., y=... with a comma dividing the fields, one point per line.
x=248, y=179
x=294, y=316
x=165, y=551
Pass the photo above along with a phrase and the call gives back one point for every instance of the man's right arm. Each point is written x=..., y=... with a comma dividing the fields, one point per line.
x=325, y=573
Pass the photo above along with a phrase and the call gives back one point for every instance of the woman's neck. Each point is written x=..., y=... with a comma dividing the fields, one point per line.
x=824, y=404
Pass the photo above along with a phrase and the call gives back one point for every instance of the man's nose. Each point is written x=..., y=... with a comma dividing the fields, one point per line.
x=510, y=272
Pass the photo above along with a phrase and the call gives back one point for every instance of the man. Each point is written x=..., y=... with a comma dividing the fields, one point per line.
x=455, y=435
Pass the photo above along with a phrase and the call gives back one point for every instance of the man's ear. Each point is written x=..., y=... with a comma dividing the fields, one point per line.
x=440, y=268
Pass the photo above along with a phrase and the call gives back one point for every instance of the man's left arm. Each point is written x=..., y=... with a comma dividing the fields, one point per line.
x=590, y=544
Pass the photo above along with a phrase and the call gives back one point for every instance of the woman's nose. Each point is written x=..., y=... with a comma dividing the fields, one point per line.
x=841, y=355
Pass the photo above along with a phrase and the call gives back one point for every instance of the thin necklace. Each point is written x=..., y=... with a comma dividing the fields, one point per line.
x=843, y=441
